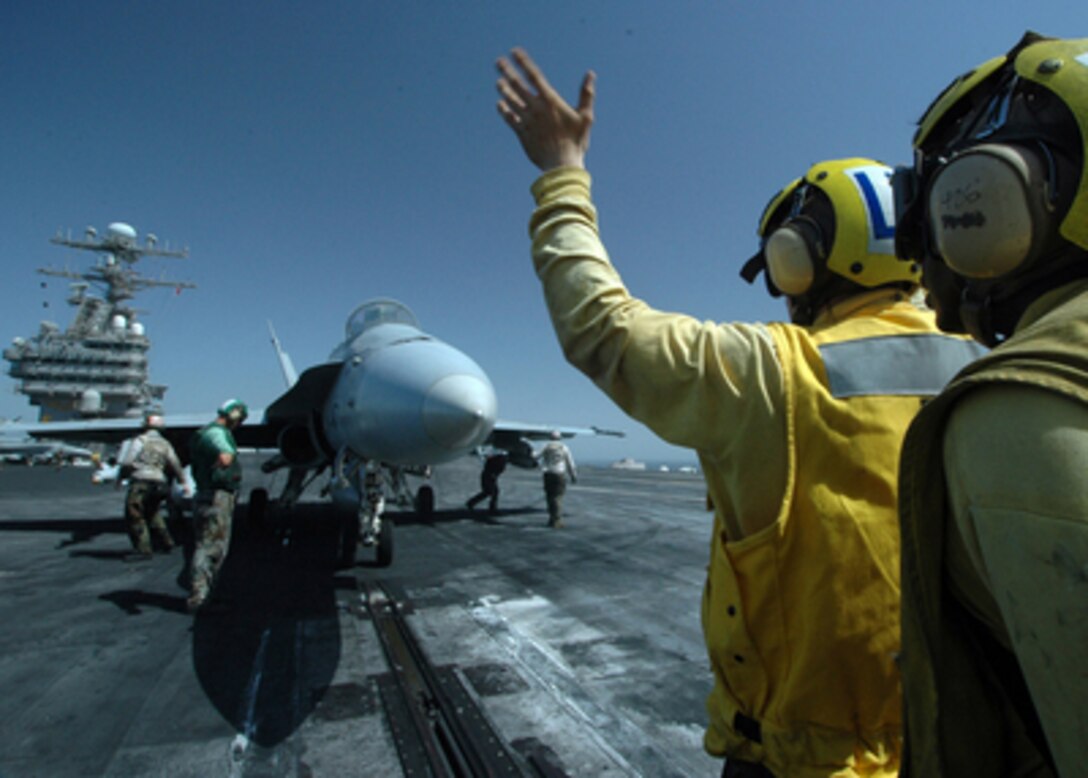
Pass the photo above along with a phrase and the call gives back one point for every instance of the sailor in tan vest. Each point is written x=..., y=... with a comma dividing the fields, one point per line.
x=994, y=480
x=150, y=464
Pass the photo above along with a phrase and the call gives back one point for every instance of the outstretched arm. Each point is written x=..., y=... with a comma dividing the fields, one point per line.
x=552, y=133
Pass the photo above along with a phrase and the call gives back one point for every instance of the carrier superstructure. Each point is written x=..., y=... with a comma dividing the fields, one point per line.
x=98, y=366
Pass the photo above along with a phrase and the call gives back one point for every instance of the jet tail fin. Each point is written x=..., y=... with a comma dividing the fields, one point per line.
x=290, y=375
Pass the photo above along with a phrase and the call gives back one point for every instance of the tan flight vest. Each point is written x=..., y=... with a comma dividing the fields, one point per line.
x=961, y=716
x=802, y=618
x=151, y=457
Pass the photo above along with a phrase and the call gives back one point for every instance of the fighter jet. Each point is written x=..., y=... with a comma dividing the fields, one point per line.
x=17, y=447
x=391, y=401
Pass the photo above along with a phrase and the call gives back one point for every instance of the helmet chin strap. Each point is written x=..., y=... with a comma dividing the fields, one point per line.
x=801, y=311
x=990, y=310
x=976, y=315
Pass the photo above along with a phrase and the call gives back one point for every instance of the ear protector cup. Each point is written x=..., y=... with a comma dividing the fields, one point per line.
x=792, y=252
x=838, y=220
x=989, y=210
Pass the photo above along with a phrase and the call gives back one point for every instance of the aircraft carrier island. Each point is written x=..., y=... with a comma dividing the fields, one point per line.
x=98, y=366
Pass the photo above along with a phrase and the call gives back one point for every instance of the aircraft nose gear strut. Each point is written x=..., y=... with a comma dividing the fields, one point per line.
x=372, y=504
x=368, y=526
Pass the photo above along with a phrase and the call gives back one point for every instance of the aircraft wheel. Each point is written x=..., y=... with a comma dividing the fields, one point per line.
x=385, y=543
x=257, y=509
x=349, y=539
x=425, y=502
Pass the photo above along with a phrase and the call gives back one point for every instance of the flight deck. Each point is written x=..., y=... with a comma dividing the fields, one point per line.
x=572, y=652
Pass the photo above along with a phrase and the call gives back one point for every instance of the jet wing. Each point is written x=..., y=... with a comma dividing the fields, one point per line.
x=177, y=429
x=505, y=430
x=28, y=448
x=514, y=436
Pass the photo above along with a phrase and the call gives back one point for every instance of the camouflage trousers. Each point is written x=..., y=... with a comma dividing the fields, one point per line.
x=213, y=514
x=142, y=512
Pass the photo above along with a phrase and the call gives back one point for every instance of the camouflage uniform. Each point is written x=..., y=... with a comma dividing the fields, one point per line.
x=149, y=456
x=217, y=489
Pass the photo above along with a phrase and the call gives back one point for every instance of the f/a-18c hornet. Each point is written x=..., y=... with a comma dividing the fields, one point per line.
x=22, y=449
x=391, y=401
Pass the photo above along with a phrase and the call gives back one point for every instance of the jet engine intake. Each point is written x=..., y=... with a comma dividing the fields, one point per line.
x=520, y=454
x=300, y=447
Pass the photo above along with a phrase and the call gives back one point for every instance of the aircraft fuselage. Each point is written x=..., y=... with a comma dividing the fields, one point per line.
x=405, y=398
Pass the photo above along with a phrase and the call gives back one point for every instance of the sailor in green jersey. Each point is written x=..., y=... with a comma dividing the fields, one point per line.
x=218, y=475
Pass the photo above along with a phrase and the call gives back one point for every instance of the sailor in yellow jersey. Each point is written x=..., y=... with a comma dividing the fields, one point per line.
x=797, y=427
x=994, y=483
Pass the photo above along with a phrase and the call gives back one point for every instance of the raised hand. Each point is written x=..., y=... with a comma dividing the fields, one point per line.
x=552, y=133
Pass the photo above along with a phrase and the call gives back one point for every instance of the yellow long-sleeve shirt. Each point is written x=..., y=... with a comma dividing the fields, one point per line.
x=723, y=382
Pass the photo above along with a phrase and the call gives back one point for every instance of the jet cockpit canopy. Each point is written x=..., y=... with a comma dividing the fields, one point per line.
x=375, y=312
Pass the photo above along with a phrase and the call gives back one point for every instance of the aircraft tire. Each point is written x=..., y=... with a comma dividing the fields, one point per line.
x=257, y=509
x=425, y=502
x=349, y=540
x=385, y=543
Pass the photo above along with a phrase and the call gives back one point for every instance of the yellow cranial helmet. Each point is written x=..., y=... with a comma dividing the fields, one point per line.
x=999, y=172
x=839, y=219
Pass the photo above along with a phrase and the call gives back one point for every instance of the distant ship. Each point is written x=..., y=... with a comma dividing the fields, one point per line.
x=628, y=464
x=98, y=367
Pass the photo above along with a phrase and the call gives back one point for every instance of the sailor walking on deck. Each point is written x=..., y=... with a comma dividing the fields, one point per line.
x=150, y=463
x=558, y=464
x=494, y=466
x=218, y=476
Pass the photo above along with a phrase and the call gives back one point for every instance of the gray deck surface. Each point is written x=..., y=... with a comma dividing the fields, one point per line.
x=582, y=643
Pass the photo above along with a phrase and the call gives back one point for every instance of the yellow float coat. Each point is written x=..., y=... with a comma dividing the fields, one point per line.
x=798, y=432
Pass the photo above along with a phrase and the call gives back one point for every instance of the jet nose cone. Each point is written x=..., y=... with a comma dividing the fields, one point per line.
x=459, y=411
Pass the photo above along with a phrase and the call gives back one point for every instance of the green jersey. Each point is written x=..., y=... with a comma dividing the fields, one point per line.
x=205, y=447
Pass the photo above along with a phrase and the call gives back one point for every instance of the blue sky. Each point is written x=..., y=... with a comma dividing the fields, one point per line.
x=315, y=155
